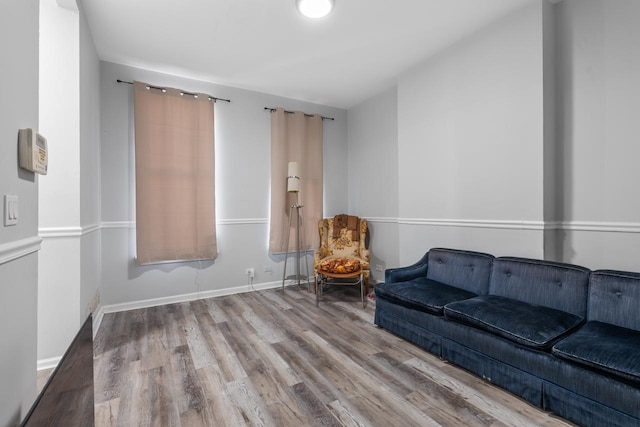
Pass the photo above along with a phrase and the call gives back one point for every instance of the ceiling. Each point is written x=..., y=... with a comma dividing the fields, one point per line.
x=267, y=46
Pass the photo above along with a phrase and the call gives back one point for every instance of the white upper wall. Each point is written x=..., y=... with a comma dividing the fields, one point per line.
x=60, y=115
x=470, y=127
x=373, y=175
x=527, y=126
x=89, y=127
x=373, y=156
x=459, y=163
x=598, y=132
x=600, y=129
x=471, y=143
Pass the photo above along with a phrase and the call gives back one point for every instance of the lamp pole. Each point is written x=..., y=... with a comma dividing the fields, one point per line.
x=293, y=186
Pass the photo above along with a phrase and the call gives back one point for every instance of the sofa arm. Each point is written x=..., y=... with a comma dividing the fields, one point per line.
x=403, y=274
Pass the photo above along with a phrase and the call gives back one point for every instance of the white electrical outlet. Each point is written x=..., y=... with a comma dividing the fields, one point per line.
x=251, y=272
x=379, y=267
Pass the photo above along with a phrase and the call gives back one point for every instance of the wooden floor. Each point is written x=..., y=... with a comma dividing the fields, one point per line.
x=272, y=359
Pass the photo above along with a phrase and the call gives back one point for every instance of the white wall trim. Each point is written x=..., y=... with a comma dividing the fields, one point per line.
x=609, y=227
x=594, y=226
x=19, y=248
x=239, y=221
x=59, y=232
x=118, y=224
x=67, y=232
x=475, y=223
x=381, y=220
x=243, y=221
x=87, y=229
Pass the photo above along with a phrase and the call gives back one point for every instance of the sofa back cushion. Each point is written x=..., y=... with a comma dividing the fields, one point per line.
x=614, y=298
x=549, y=284
x=466, y=270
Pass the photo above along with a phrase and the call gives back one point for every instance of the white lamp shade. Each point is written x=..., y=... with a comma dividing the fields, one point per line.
x=293, y=169
x=293, y=185
x=293, y=178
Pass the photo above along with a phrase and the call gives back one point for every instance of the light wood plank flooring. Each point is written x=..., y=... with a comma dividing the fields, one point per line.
x=270, y=358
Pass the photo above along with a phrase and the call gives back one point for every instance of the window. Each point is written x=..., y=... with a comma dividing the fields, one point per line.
x=295, y=137
x=175, y=175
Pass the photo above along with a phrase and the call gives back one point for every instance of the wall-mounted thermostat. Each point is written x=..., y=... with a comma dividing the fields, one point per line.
x=32, y=150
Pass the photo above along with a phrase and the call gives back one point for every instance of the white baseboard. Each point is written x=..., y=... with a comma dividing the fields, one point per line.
x=48, y=363
x=154, y=302
x=97, y=319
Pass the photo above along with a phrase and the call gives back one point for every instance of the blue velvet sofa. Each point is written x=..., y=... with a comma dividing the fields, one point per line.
x=563, y=337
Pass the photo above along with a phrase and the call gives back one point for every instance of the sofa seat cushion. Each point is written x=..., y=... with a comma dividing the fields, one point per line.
x=604, y=347
x=531, y=325
x=422, y=294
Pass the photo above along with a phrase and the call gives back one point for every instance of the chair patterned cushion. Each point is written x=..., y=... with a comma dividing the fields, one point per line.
x=339, y=265
x=605, y=347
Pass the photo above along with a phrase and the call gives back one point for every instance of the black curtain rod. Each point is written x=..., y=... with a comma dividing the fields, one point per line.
x=293, y=112
x=183, y=91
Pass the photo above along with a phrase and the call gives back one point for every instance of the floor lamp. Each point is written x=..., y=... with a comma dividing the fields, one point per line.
x=293, y=186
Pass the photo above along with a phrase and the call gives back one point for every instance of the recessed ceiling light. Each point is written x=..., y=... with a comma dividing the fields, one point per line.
x=314, y=8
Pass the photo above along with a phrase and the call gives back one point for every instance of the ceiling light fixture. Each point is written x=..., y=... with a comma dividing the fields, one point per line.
x=314, y=8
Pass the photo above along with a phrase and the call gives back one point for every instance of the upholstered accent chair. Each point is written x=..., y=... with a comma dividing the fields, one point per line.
x=344, y=241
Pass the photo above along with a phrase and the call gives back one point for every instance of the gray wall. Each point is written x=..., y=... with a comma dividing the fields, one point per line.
x=519, y=140
x=470, y=143
x=598, y=132
x=242, y=190
x=373, y=175
x=18, y=260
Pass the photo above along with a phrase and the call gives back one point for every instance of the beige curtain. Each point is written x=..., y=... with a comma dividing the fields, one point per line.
x=295, y=137
x=174, y=151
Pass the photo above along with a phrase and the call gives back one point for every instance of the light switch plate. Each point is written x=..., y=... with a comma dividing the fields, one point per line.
x=10, y=210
